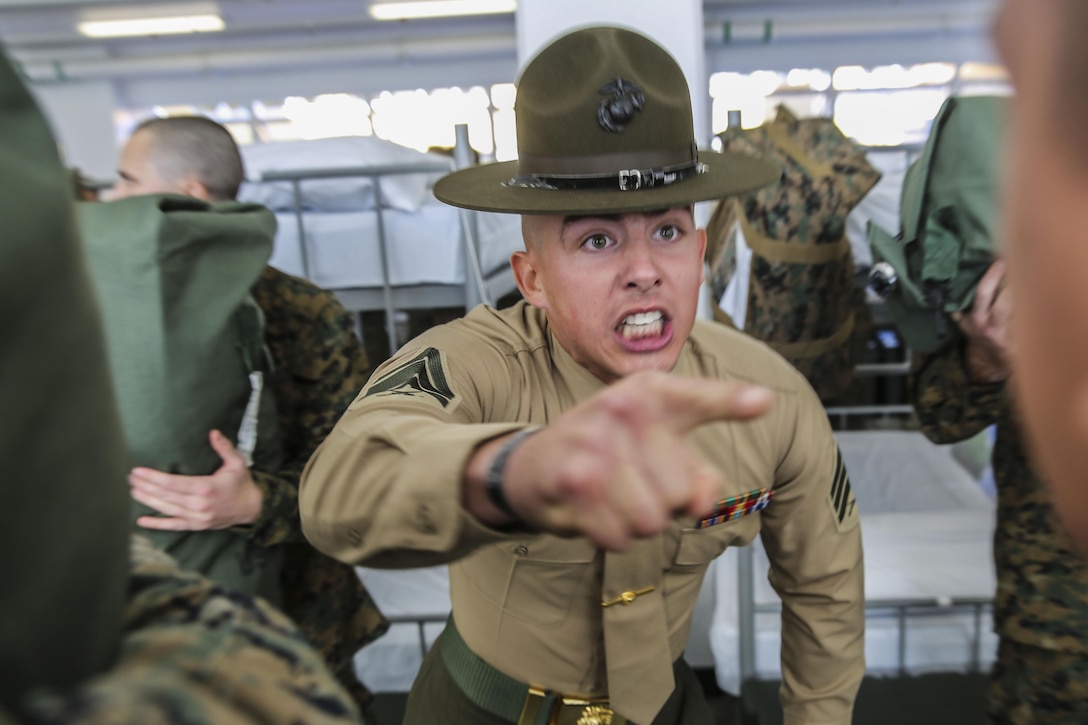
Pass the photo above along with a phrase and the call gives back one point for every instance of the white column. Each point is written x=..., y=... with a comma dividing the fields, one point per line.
x=676, y=25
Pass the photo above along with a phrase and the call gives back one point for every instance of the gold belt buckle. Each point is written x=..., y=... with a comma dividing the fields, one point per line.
x=569, y=711
x=593, y=712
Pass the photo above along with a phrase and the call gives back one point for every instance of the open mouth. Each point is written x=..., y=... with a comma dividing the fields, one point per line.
x=642, y=325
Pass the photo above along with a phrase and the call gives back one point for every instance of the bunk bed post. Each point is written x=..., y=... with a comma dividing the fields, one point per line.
x=475, y=288
x=296, y=189
x=746, y=618
x=383, y=253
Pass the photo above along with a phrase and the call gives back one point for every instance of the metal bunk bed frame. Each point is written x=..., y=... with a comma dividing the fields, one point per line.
x=389, y=297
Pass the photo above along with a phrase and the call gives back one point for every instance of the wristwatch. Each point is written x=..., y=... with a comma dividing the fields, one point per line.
x=494, y=478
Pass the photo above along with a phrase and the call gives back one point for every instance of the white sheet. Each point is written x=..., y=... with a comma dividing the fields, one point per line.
x=423, y=247
x=880, y=205
x=926, y=531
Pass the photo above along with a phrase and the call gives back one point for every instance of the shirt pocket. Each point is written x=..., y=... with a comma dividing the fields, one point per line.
x=535, y=580
x=696, y=548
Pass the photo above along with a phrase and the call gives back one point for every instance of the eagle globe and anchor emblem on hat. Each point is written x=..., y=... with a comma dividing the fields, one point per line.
x=604, y=126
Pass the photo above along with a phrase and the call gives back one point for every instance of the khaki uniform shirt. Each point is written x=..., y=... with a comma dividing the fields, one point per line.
x=385, y=490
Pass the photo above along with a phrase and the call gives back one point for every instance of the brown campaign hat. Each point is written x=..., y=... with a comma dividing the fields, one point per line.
x=604, y=125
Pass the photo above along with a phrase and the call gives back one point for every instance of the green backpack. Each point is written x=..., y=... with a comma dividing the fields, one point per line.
x=947, y=220
x=64, y=546
x=186, y=347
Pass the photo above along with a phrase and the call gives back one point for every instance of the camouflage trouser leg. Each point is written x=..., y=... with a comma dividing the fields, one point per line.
x=363, y=697
x=1034, y=686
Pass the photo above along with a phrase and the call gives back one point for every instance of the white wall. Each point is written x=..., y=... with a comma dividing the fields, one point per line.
x=81, y=116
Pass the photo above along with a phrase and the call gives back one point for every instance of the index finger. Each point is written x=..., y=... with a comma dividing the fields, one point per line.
x=171, y=481
x=690, y=402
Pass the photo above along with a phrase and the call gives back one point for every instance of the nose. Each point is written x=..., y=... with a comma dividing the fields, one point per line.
x=641, y=273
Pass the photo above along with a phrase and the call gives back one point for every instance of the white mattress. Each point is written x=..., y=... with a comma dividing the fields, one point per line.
x=926, y=530
x=390, y=663
x=422, y=247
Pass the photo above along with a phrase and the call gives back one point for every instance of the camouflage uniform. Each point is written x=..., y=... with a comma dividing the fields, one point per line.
x=802, y=299
x=1041, y=604
x=319, y=368
x=194, y=652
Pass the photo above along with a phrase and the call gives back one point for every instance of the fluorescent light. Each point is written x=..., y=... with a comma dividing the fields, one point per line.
x=151, y=26
x=439, y=8
x=199, y=16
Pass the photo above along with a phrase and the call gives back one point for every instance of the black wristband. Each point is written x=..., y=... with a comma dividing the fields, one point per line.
x=493, y=480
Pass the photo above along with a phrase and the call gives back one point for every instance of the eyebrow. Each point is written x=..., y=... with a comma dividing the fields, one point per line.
x=126, y=176
x=574, y=218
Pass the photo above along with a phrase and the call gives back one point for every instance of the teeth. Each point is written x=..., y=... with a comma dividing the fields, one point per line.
x=642, y=324
x=643, y=318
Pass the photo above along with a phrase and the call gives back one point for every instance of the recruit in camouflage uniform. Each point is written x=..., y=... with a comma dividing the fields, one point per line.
x=1041, y=604
x=192, y=651
x=320, y=367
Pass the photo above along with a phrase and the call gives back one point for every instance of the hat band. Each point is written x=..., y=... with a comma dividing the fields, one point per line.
x=623, y=180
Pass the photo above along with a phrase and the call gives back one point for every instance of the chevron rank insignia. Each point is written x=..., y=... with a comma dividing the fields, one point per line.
x=423, y=375
x=734, y=507
x=844, y=507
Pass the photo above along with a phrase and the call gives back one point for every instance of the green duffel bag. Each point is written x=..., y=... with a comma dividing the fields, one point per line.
x=186, y=347
x=947, y=223
x=63, y=496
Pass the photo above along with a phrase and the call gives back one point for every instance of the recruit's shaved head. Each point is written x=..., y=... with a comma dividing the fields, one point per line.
x=196, y=146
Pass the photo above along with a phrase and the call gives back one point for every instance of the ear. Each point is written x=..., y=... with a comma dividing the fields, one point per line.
x=528, y=279
x=190, y=186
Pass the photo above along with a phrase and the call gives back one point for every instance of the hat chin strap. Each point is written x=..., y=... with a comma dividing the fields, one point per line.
x=622, y=180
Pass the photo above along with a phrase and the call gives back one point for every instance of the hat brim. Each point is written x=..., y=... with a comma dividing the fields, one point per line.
x=482, y=188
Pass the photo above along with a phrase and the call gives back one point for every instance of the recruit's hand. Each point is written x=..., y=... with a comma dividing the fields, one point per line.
x=617, y=466
x=226, y=498
x=986, y=355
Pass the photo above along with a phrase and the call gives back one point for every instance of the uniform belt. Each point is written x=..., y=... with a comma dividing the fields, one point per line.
x=514, y=701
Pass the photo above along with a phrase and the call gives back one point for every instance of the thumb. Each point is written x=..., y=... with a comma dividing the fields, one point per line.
x=226, y=450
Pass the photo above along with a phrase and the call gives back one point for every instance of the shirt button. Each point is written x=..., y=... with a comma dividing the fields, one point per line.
x=355, y=537
x=425, y=521
x=521, y=550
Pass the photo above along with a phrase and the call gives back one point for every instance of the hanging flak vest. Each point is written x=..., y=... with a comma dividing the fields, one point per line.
x=802, y=300
x=186, y=348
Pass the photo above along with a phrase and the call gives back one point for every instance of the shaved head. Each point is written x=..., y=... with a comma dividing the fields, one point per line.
x=193, y=146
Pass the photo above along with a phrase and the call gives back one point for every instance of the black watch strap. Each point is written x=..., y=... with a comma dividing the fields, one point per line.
x=494, y=479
